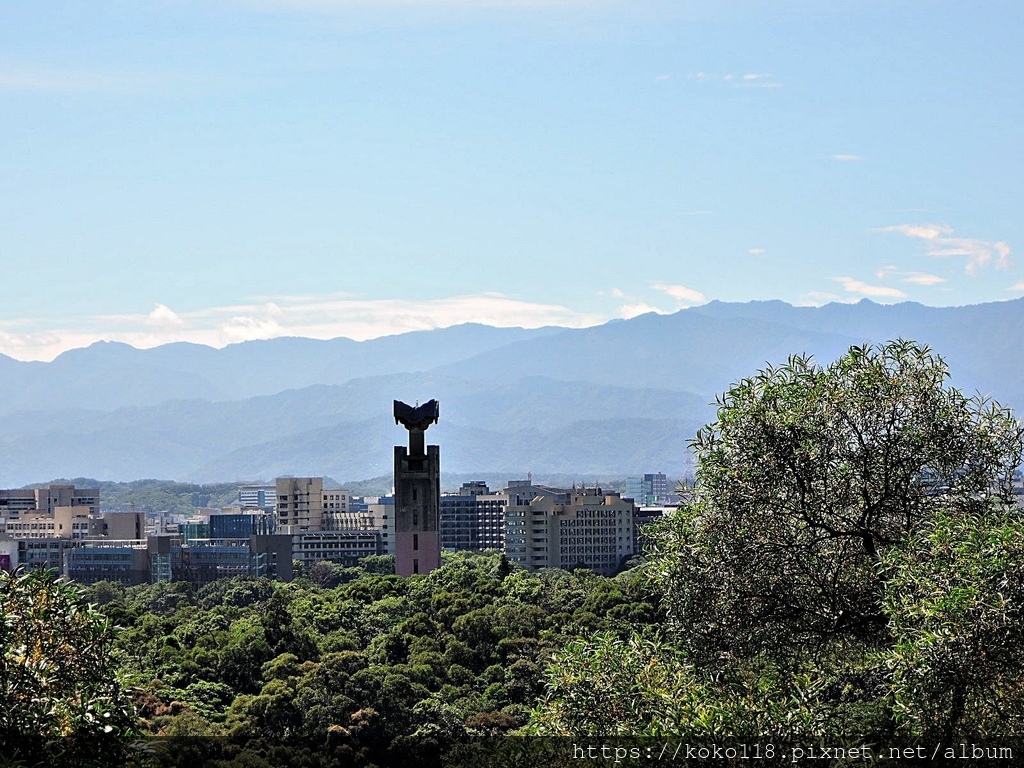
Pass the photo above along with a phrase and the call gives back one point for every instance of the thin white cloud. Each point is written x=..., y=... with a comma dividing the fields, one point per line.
x=852, y=285
x=663, y=77
x=21, y=77
x=756, y=251
x=333, y=6
x=681, y=293
x=28, y=80
x=696, y=213
x=883, y=272
x=39, y=345
x=941, y=242
x=1019, y=286
x=316, y=316
x=922, y=278
x=747, y=80
x=845, y=158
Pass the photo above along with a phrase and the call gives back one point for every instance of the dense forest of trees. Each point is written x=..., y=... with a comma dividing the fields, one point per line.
x=849, y=565
x=377, y=670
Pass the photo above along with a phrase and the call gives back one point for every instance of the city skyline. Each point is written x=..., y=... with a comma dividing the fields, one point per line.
x=241, y=169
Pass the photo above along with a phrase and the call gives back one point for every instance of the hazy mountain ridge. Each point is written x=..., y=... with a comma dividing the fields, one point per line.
x=318, y=430
x=620, y=398
x=685, y=351
x=111, y=375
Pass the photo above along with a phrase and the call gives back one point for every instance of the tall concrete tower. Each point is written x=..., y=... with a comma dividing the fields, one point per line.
x=417, y=493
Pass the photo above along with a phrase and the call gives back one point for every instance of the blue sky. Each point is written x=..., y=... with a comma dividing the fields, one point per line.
x=221, y=170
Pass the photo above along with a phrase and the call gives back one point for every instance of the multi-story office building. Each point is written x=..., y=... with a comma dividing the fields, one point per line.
x=336, y=508
x=649, y=490
x=584, y=527
x=641, y=519
x=271, y=557
x=519, y=492
x=124, y=561
x=194, y=529
x=203, y=562
x=45, y=528
x=300, y=504
x=43, y=553
x=118, y=525
x=56, y=511
x=241, y=525
x=341, y=547
x=154, y=558
x=62, y=523
x=257, y=497
x=76, y=523
x=380, y=513
x=473, y=518
x=14, y=502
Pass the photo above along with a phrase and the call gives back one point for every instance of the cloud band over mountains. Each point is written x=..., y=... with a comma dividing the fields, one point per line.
x=313, y=316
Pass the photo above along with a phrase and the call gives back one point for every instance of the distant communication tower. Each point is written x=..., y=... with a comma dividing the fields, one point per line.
x=417, y=493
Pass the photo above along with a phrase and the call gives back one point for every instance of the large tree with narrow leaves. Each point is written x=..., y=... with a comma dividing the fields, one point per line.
x=61, y=701
x=804, y=590
x=808, y=475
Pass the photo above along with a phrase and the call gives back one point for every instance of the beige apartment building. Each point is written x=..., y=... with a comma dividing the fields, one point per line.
x=582, y=527
x=336, y=510
x=61, y=523
x=17, y=501
x=76, y=523
x=304, y=505
x=300, y=504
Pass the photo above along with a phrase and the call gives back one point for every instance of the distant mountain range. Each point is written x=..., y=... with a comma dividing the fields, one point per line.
x=612, y=400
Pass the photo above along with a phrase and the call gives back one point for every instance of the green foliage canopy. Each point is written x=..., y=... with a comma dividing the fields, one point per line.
x=59, y=677
x=808, y=475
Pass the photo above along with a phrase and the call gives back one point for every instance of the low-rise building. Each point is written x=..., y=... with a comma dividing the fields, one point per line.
x=341, y=547
x=257, y=497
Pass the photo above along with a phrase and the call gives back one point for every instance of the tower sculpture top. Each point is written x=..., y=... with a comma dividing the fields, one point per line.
x=416, y=417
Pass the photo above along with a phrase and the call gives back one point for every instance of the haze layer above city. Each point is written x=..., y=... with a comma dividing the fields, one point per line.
x=233, y=170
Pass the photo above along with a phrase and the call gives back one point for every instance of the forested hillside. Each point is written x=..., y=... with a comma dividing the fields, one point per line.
x=370, y=669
